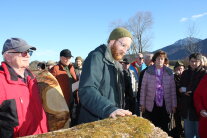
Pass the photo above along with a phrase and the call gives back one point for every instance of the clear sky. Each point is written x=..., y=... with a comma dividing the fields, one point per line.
x=82, y=25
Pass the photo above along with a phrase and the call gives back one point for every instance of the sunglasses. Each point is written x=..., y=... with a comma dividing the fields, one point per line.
x=24, y=54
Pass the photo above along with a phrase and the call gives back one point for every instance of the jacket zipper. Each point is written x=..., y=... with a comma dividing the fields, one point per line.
x=22, y=107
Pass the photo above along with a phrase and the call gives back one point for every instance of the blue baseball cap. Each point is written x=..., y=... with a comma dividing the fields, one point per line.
x=16, y=44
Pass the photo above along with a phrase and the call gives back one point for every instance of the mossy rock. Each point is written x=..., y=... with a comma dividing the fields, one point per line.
x=122, y=127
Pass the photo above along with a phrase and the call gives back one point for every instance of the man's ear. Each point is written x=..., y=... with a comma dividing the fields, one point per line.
x=111, y=42
x=7, y=57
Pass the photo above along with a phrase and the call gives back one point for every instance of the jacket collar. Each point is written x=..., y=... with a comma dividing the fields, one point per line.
x=110, y=60
x=151, y=70
x=11, y=75
x=62, y=67
x=198, y=69
x=108, y=56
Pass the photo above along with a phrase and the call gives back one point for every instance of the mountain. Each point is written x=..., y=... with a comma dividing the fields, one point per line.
x=185, y=41
x=178, y=50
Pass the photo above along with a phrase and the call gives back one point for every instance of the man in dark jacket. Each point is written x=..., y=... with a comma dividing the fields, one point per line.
x=78, y=66
x=188, y=84
x=177, y=132
x=148, y=62
x=101, y=84
x=129, y=93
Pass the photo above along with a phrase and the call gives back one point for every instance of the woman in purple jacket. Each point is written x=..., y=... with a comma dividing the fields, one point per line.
x=158, y=92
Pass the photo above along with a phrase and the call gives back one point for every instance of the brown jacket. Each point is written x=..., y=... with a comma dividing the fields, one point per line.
x=63, y=79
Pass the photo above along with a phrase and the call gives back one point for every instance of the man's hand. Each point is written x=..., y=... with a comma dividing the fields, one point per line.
x=120, y=112
x=188, y=93
x=203, y=113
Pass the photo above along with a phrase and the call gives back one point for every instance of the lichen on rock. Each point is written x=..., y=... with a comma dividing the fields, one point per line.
x=121, y=127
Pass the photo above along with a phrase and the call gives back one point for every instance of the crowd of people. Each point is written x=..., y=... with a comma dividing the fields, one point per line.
x=110, y=85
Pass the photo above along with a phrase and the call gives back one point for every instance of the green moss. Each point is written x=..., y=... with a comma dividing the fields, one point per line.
x=127, y=127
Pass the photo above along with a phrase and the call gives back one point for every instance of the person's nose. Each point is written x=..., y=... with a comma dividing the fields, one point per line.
x=125, y=49
x=28, y=55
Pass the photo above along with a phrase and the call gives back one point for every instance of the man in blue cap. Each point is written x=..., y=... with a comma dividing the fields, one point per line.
x=21, y=110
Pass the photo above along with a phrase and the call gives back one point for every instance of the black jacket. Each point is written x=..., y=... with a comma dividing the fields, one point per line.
x=190, y=79
x=8, y=118
x=129, y=96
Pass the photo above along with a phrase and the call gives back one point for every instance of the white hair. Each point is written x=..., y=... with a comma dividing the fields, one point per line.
x=148, y=56
x=4, y=56
x=139, y=54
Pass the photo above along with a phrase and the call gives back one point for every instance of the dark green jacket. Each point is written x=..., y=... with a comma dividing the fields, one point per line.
x=101, y=86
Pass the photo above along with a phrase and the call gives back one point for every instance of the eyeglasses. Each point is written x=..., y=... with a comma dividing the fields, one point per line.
x=140, y=58
x=24, y=54
x=123, y=45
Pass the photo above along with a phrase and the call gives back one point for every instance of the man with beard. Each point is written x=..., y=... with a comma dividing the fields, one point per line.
x=101, y=88
x=78, y=66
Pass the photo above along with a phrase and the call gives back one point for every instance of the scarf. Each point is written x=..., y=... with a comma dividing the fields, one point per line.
x=159, y=88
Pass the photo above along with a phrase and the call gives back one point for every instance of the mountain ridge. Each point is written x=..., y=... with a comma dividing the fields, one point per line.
x=177, y=50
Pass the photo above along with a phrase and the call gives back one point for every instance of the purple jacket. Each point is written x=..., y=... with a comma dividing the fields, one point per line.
x=147, y=95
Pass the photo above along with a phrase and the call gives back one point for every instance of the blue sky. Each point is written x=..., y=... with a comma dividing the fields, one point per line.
x=81, y=26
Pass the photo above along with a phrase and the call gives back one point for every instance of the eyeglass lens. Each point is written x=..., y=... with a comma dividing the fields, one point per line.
x=24, y=54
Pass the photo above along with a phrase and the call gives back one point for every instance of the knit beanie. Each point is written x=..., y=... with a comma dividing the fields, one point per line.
x=178, y=63
x=78, y=58
x=119, y=33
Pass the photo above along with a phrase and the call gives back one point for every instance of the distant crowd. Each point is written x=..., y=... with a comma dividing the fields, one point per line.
x=105, y=84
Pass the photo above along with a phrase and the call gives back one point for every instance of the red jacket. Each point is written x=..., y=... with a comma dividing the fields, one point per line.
x=200, y=103
x=31, y=116
x=64, y=81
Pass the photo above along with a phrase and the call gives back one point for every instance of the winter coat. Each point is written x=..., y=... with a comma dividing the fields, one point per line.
x=101, y=86
x=78, y=72
x=138, y=68
x=200, y=103
x=64, y=80
x=129, y=94
x=140, y=84
x=177, y=83
x=148, y=89
x=190, y=79
x=31, y=117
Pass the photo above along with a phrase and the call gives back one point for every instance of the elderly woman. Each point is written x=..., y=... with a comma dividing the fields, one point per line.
x=158, y=92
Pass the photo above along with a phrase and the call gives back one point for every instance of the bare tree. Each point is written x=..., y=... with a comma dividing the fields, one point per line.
x=140, y=26
x=192, y=46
